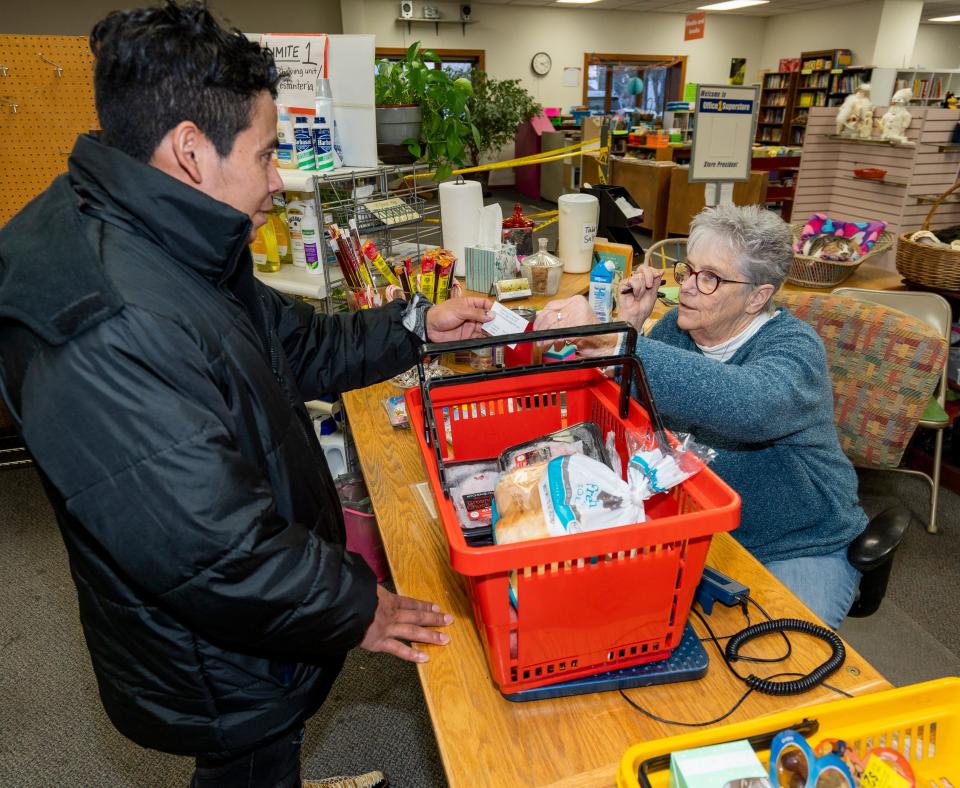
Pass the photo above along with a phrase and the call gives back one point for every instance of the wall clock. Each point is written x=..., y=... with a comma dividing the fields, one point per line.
x=541, y=63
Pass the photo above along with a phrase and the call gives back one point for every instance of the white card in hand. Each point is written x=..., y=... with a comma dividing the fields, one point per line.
x=505, y=321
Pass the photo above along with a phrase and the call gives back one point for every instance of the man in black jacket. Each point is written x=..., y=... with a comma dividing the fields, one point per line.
x=160, y=389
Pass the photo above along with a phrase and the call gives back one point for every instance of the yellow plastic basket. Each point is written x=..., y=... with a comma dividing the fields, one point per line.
x=921, y=721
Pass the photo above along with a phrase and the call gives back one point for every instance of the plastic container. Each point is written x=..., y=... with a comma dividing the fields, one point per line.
x=542, y=270
x=601, y=290
x=579, y=214
x=303, y=145
x=921, y=721
x=322, y=130
x=518, y=231
x=592, y=602
x=363, y=537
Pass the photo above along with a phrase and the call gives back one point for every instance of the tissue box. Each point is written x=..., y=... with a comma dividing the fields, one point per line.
x=715, y=766
x=480, y=266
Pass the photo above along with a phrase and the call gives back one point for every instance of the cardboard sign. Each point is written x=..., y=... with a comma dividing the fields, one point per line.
x=723, y=132
x=301, y=58
x=693, y=25
x=348, y=62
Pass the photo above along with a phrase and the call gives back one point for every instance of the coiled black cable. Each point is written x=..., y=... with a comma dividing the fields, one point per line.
x=797, y=686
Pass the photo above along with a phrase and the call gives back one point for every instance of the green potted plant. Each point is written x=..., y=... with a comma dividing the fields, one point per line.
x=422, y=112
x=497, y=107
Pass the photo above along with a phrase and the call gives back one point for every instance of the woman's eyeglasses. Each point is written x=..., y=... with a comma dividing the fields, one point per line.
x=707, y=282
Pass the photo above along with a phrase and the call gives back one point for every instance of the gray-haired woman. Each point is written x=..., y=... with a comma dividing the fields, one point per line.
x=750, y=380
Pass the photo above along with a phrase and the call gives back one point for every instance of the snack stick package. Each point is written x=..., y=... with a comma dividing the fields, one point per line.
x=371, y=252
x=443, y=282
x=428, y=276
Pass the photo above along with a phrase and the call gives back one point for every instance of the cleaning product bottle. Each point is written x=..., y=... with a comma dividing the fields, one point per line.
x=601, y=290
x=258, y=250
x=286, y=140
x=272, y=264
x=295, y=212
x=323, y=125
x=312, y=240
x=306, y=159
x=279, y=217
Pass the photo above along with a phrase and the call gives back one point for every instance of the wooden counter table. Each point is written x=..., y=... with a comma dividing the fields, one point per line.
x=485, y=740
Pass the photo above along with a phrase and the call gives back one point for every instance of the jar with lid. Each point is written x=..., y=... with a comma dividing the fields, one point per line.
x=518, y=231
x=542, y=271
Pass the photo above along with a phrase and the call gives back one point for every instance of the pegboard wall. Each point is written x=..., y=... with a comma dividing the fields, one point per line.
x=51, y=111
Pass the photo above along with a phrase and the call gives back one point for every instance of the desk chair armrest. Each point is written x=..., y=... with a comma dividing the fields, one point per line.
x=880, y=539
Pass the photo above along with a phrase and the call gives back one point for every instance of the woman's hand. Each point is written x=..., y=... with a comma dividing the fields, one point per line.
x=638, y=295
x=576, y=311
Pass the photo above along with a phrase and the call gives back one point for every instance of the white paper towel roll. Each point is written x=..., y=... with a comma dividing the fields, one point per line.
x=460, y=205
x=579, y=214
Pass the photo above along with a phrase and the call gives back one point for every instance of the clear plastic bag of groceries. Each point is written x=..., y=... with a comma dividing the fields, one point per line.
x=583, y=438
x=654, y=469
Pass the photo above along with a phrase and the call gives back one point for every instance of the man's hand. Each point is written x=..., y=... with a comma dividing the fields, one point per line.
x=576, y=311
x=638, y=295
x=400, y=618
x=458, y=318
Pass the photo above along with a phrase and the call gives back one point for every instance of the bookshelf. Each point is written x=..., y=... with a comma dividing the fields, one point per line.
x=817, y=86
x=776, y=106
x=845, y=81
x=929, y=87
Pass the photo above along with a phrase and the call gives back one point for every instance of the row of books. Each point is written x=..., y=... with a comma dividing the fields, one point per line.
x=772, y=116
x=776, y=81
x=924, y=88
x=815, y=81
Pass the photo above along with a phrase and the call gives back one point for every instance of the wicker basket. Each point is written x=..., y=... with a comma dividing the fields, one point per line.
x=929, y=266
x=813, y=272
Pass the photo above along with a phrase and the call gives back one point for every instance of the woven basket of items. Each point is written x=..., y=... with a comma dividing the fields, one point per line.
x=828, y=259
x=929, y=258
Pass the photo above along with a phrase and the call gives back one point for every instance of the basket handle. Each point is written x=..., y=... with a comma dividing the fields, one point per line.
x=632, y=369
x=937, y=203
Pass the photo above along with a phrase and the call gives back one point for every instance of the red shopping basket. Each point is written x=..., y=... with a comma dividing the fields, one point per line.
x=586, y=603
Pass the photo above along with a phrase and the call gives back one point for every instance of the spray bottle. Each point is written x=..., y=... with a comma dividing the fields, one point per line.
x=323, y=126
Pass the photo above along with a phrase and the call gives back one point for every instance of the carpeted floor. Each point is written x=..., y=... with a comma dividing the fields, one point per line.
x=54, y=732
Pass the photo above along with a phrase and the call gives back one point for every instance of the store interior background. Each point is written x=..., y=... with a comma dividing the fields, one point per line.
x=53, y=728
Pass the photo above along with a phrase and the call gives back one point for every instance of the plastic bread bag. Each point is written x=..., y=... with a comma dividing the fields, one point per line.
x=579, y=494
x=583, y=438
x=519, y=509
x=613, y=456
x=471, y=490
x=655, y=470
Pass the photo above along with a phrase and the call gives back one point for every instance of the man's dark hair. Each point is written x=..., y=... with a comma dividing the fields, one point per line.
x=156, y=67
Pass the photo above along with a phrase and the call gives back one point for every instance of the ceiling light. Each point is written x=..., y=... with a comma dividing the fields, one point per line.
x=729, y=5
x=945, y=19
x=578, y=2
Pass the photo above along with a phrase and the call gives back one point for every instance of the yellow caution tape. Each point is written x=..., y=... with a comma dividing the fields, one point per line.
x=523, y=161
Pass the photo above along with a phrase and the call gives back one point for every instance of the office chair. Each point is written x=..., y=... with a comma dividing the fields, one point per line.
x=884, y=365
x=935, y=312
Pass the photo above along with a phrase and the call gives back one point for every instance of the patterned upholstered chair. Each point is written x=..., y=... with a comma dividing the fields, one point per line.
x=884, y=365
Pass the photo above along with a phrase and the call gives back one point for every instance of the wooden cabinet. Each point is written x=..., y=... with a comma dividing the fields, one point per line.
x=687, y=199
x=777, y=96
x=816, y=87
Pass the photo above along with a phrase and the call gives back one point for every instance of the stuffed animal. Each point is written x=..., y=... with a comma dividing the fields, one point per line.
x=896, y=119
x=855, y=116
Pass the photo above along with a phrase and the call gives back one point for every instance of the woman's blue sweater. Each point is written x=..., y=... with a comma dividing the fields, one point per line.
x=768, y=411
